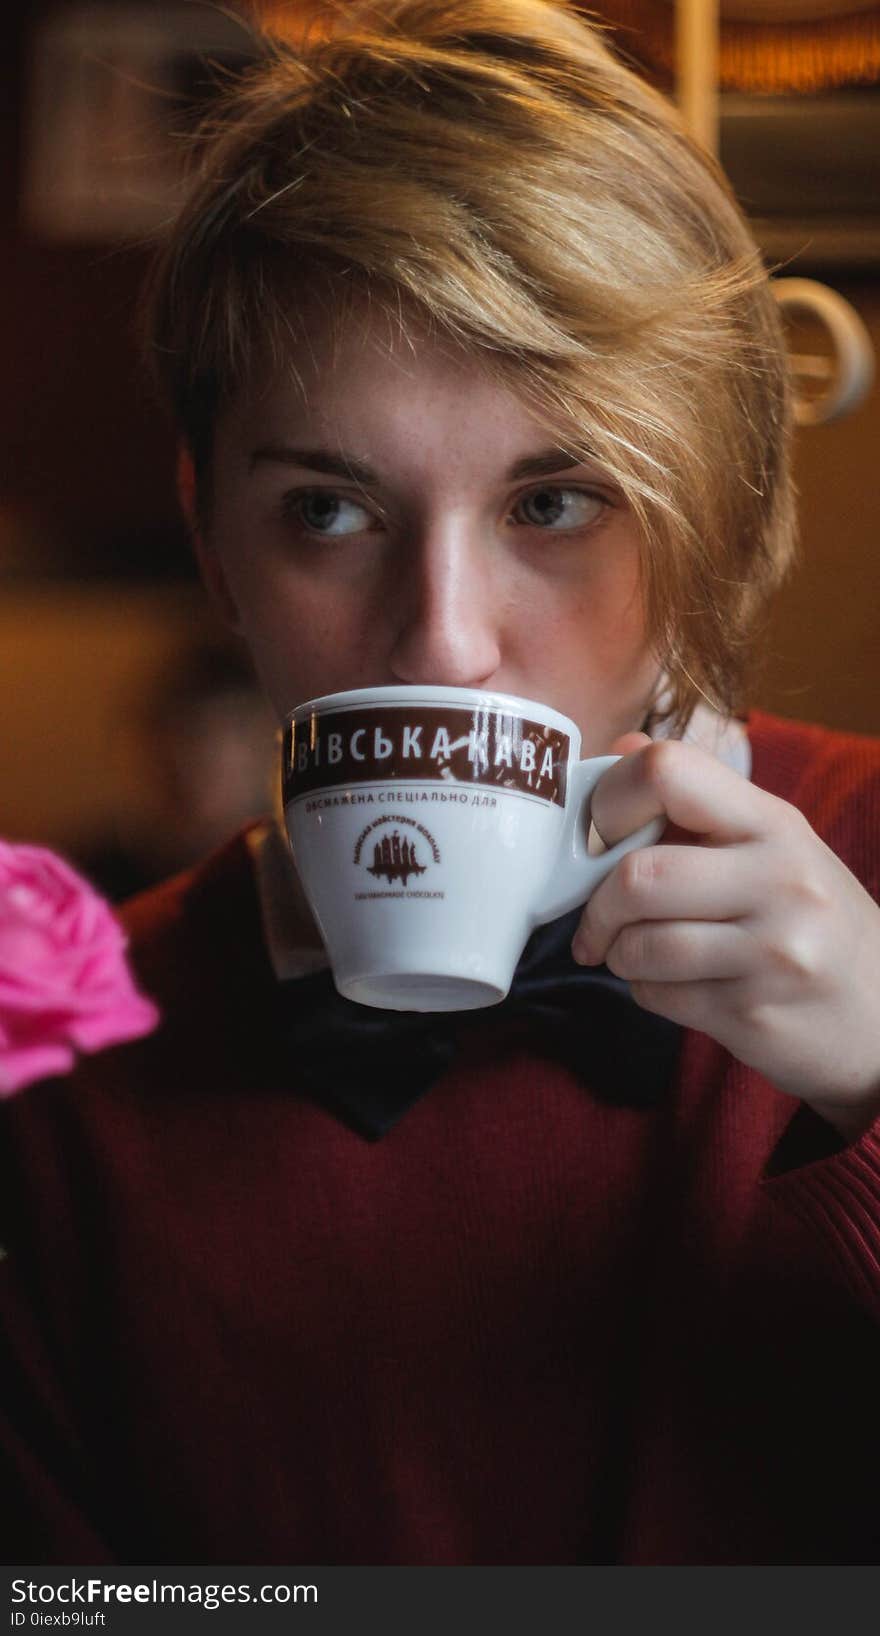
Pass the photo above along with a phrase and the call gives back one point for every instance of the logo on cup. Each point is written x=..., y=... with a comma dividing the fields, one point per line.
x=395, y=856
x=425, y=744
x=395, y=859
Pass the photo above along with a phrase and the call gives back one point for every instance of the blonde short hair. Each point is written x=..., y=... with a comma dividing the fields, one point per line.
x=491, y=168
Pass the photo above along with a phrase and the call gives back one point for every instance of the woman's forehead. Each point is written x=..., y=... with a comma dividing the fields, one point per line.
x=368, y=327
x=357, y=378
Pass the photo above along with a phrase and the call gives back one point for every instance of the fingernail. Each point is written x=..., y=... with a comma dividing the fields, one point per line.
x=580, y=951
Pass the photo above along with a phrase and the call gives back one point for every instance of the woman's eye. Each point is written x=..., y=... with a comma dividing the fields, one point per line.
x=562, y=508
x=325, y=512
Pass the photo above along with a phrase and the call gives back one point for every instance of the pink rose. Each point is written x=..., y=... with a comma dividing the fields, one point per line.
x=65, y=985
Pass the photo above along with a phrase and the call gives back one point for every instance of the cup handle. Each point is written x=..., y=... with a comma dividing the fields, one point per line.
x=577, y=871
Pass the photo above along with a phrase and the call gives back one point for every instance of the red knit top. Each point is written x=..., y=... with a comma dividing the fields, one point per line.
x=528, y=1326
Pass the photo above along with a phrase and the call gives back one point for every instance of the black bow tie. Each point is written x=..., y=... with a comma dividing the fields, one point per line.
x=368, y=1066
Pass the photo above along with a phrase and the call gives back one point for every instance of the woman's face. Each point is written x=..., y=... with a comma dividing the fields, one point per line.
x=405, y=520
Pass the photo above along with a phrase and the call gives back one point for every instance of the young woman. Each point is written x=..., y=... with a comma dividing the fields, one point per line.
x=479, y=382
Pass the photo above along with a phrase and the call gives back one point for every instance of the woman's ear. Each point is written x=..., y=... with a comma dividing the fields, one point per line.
x=210, y=568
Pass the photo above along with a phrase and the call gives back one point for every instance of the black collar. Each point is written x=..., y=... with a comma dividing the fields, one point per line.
x=369, y=1066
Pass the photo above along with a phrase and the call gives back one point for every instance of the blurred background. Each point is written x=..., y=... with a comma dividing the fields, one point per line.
x=132, y=735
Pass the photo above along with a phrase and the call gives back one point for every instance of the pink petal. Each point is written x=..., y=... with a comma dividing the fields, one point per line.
x=64, y=977
x=128, y=1021
x=21, y=1068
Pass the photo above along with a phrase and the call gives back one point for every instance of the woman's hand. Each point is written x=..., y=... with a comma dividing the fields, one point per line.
x=747, y=927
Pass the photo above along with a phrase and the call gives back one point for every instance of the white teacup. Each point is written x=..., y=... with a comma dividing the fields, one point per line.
x=432, y=829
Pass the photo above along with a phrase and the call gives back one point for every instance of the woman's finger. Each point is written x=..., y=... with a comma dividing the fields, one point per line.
x=668, y=883
x=687, y=785
x=703, y=1006
x=681, y=951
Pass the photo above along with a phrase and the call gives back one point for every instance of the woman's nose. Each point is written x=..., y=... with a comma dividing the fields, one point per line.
x=447, y=614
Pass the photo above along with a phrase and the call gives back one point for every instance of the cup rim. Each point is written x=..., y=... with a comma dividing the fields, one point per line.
x=516, y=704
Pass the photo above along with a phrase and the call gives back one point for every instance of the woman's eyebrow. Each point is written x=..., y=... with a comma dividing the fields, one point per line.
x=346, y=465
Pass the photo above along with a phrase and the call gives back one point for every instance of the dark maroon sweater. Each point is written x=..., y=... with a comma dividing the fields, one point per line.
x=528, y=1326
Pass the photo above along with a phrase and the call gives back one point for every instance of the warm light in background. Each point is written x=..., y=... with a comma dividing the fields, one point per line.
x=289, y=19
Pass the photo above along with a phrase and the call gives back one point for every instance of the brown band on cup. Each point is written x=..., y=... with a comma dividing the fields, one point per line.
x=427, y=743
